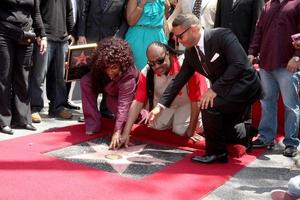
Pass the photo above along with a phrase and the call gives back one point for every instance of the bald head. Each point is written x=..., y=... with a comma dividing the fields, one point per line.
x=158, y=58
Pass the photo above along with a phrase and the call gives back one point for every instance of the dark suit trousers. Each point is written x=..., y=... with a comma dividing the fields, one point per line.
x=219, y=123
x=14, y=84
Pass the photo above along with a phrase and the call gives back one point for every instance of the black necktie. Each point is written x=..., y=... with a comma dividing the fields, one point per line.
x=197, y=8
x=203, y=60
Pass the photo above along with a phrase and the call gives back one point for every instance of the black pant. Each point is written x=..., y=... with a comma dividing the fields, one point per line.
x=219, y=123
x=14, y=81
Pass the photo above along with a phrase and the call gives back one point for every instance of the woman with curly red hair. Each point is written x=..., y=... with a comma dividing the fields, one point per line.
x=113, y=73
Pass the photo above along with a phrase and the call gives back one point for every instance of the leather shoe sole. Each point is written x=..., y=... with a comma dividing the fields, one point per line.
x=81, y=119
x=222, y=158
x=7, y=130
x=29, y=127
x=71, y=106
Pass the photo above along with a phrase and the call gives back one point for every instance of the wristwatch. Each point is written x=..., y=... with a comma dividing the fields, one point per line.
x=296, y=58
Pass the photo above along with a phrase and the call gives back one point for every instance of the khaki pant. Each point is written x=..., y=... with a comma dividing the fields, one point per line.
x=177, y=119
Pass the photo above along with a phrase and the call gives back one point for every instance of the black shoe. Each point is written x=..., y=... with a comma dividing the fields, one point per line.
x=222, y=158
x=70, y=105
x=251, y=133
x=290, y=151
x=29, y=127
x=258, y=143
x=7, y=130
x=80, y=119
x=107, y=114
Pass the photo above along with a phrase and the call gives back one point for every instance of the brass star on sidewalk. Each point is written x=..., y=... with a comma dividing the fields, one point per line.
x=122, y=158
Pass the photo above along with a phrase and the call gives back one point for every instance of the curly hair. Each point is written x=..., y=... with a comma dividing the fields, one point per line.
x=110, y=51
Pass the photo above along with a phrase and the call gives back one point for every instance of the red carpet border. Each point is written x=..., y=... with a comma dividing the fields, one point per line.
x=27, y=173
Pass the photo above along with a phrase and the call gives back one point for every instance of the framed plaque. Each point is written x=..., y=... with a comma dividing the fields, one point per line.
x=78, y=61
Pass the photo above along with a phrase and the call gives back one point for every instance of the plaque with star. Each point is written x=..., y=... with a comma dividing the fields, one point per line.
x=78, y=61
x=137, y=161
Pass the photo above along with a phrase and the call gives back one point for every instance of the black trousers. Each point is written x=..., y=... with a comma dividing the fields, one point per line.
x=220, y=124
x=14, y=81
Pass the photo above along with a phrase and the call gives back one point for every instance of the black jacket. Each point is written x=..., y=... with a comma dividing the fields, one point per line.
x=58, y=18
x=23, y=14
x=232, y=76
x=240, y=18
x=98, y=23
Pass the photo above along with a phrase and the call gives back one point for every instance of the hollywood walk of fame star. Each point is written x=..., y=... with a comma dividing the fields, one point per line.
x=81, y=59
x=122, y=158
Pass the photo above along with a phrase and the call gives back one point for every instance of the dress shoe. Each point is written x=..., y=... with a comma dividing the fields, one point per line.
x=64, y=114
x=29, y=127
x=7, y=130
x=107, y=114
x=222, y=158
x=70, y=105
x=81, y=119
x=251, y=132
x=258, y=143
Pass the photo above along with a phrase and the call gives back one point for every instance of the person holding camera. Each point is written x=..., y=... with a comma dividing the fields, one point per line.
x=17, y=20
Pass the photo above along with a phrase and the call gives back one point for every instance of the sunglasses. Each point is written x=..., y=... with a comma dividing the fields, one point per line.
x=159, y=61
x=179, y=36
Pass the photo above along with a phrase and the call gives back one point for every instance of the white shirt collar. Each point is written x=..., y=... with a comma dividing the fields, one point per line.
x=74, y=5
x=201, y=41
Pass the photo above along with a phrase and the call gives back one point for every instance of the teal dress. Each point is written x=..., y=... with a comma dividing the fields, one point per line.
x=149, y=28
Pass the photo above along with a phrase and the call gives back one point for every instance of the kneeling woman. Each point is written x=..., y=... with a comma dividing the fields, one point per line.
x=113, y=73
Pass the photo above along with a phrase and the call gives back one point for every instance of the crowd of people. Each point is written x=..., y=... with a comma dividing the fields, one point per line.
x=141, y=71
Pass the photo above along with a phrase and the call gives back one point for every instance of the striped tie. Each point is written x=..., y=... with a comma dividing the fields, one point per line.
x=197, y=8
x=104, y=4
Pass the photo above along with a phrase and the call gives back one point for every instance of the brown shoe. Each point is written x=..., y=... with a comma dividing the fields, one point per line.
x=64, y=114
x=36, y=118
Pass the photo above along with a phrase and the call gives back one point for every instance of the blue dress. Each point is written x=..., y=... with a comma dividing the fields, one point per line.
x=149, y=28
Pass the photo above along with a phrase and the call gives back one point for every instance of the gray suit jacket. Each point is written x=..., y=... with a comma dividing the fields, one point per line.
x=97, y=23
x=232, y=76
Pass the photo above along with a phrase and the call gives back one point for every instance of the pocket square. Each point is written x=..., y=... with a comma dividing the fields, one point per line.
x=215, y=57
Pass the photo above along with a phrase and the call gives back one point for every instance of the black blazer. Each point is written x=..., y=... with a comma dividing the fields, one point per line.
x=240, y=18
x=78, y=17
x=97, y=23
x=232, y=76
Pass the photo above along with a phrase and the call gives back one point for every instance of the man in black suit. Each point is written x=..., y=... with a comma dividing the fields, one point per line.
x=216, y=54
x=77, y=8
x=101, y=19
x=240, y=16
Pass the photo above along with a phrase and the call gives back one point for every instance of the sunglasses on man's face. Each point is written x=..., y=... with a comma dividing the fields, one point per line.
x=179, y=36
x=159, y=61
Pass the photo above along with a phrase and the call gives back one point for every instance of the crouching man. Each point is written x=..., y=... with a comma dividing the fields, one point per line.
x=183, y=115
